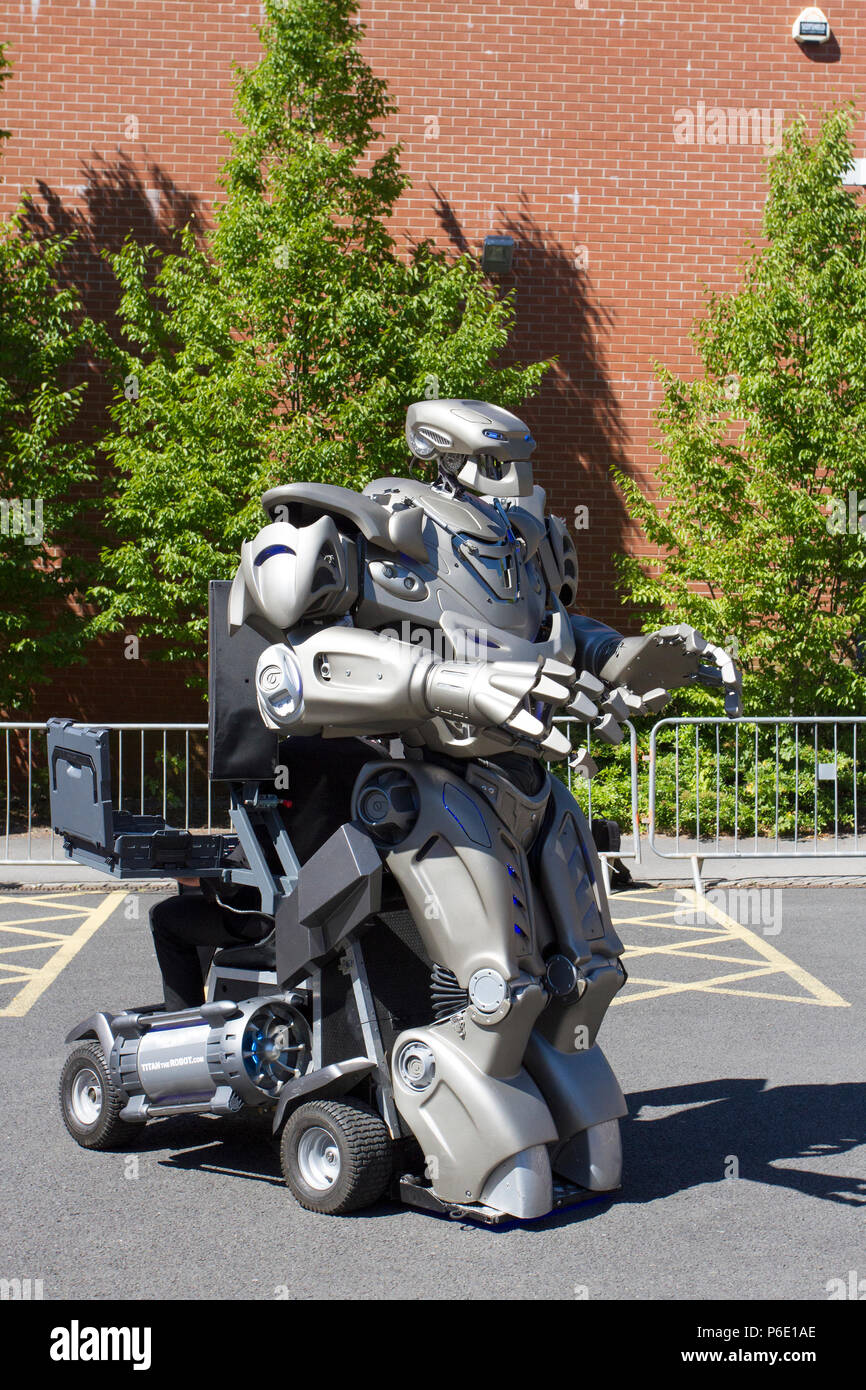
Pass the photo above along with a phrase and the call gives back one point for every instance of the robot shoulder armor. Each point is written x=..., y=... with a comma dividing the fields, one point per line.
x=559, y=559
x=354, y=512
x=291, y=573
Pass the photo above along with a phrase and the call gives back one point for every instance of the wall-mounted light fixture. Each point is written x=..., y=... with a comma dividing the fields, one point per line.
x=811, y=26
x=497, y=255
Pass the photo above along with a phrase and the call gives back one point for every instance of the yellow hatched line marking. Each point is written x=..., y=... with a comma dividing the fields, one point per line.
x=23, y=921
x=823, y=994
x=676, y=951
x=33, y=900
x=31, y=946
x=20, y=972
x=677, y=986
x=643, y=895
x=770, y=960
x=69, y=947
x=660, y=922
x=33, y=931
x=673, y=947
x=650, y=918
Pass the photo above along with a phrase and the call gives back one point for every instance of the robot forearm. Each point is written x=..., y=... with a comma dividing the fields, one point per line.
x=594, y=642
x=363, y=683
x=344, y=678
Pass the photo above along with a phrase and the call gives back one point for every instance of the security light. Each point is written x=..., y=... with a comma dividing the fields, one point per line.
x=497, y=255
x=811, y=26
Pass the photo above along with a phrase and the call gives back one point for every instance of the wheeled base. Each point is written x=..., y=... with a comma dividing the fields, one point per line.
x=336, y=1152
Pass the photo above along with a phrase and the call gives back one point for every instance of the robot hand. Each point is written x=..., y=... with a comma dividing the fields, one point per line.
x=520, y=698
x=644, y=669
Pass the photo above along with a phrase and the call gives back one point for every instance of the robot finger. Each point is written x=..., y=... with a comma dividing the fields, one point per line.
x=616, y=705
x=556, y=745
x=550, y=691
x=558, y=671
x=583, y=707
x=654, y=700
x=731, y=679
x=513, y=677
x=608, y=730
x=691, y=640
x=633, y=703
x=525, y=723
x=589, y=685
x=583, y=763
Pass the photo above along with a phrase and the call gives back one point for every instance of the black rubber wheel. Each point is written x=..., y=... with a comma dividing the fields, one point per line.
x=336, y=1156
x=89, y=1101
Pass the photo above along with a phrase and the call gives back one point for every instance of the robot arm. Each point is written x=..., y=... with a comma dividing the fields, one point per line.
x=295, y=586
x=643, y=669
x=352, y=682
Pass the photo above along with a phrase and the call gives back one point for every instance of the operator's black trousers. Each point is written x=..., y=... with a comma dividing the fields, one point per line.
x=192, y=925
x=186, y=931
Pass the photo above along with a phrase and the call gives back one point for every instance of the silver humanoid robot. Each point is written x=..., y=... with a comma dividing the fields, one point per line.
x=431, y=620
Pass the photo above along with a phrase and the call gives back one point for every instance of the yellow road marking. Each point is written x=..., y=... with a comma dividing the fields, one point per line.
x=67, y=947
x=46, y=917
x=46, y=900
x=662, y=919
x=824, y=995
x=650, y=917
x=31, y=946
x=33, y=931
x=673, y=947
x=770, y=960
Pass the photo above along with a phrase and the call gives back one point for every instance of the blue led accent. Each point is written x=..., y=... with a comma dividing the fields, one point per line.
x=457, y=818
x=519, y=930
x=512, y=871
x=517, y=902
x=474, y=829
x=492, y=434
x=271, y=550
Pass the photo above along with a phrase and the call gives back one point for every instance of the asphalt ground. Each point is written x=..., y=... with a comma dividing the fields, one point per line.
x=738, y=1041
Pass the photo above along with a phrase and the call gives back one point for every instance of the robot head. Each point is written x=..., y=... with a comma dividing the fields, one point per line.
x=484, y=447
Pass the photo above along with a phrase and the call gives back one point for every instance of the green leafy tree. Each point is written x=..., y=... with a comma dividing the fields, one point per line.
x=43, y=467
x=763, y=457
x=285, y=343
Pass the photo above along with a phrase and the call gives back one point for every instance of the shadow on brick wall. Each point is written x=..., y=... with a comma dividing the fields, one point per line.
x=576, y=416
x=114, y=200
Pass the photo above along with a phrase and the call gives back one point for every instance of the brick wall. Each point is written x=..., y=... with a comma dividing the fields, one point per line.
x=554, y=122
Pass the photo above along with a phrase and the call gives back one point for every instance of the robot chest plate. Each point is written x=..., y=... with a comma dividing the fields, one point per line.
x=496, y=565
x=472, y=583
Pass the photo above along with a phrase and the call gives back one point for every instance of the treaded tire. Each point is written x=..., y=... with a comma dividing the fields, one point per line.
x=78, y=1099
x=361, y=1169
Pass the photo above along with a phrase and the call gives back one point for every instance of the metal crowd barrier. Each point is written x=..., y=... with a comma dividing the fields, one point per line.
x=153, y=773
x=581, y=787
x=790, y=787
x=785, y=787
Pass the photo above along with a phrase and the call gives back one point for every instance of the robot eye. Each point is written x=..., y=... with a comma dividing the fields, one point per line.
x=493, y=434
x=421, y=447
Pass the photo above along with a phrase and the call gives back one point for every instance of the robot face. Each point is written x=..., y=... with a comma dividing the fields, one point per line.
x=483, y=446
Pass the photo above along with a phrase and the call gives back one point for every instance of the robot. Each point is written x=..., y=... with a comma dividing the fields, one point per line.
x=424, y=1016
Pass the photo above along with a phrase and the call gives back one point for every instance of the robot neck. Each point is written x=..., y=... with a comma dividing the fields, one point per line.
x=448, y=483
